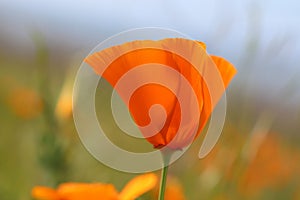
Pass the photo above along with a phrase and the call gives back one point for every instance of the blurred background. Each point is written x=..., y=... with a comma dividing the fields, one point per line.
x=42, y=44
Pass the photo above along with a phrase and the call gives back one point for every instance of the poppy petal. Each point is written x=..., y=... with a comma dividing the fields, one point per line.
x=91, y=191
x=138, y=186
x=114, y=62
x=226, y=71
x=44, y=193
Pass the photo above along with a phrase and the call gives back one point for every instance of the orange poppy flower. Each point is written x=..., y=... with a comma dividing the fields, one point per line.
x=25, y=103
x=270, y=167
x=95, y=191
x=163, y=65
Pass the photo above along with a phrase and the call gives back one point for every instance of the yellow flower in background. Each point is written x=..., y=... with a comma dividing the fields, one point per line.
x=25, y=102
x=63, y=109
x=96, y=191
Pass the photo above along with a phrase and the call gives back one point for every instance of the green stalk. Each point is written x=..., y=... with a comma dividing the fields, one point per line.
x=166, y=155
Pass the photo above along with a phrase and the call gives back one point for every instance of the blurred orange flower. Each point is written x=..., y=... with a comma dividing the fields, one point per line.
x=174, y=190
x=270, y=167
x=123, y=58
x=95, y=191
x=25, y=102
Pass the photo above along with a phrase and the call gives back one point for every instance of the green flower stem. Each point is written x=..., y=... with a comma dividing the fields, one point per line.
x=166, y=155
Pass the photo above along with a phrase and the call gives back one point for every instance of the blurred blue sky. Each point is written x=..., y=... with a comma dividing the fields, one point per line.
x=267, y=31
x=89, y=21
